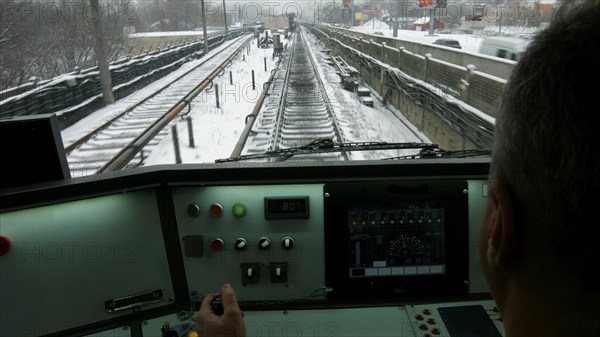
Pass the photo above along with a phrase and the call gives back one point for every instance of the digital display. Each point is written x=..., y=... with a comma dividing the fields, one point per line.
x=396, y=238
x=403, y=241
x=286, y=207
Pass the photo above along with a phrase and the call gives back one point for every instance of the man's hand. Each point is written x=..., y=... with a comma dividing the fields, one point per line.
x=230, y=324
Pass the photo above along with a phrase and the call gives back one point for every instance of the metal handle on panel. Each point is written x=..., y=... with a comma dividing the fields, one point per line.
x=134, y=300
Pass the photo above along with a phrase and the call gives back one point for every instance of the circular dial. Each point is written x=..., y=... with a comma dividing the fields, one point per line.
x=405, y=249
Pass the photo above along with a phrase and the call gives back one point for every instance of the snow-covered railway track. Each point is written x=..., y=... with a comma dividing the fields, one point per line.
x=299, y=111
x=125, y=140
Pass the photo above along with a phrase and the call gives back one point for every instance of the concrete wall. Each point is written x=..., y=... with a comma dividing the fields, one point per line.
x=489, y=65
x=432, y=125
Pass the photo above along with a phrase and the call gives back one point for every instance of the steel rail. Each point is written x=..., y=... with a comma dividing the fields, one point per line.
x=128, y=152
x=105, y=125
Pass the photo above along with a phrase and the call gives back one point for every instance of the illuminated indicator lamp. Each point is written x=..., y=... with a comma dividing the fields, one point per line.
x=217, y=245
x=4, y=245
x=239, y=210
x=215, y=210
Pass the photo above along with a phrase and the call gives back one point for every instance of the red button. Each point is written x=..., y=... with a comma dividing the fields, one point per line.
x=436, y=331
x=427, y=312
x=217, y=245
x=215, y=210
x=423, y=327
x=4, y=245
x=419, y=317
x=431, y=321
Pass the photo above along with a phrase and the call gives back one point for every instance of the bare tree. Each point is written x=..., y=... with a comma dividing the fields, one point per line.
x=47, y=38
x=9, y=35
x=101, y=51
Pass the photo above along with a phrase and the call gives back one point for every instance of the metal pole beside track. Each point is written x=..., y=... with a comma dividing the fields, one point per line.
x=128, y=152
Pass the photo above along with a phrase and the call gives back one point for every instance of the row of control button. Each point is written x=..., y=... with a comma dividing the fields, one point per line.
x=430, y=321
x=216, y=210
x=264, y=242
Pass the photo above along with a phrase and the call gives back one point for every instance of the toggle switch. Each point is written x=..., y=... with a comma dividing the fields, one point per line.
x=278, y=272
x=264, y=243
x=240, y=244
x=250, y=273
x=287, y=243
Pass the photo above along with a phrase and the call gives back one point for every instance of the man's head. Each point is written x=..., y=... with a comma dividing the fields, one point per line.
x=542, y=224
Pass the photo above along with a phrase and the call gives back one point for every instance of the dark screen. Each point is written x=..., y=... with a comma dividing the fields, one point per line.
x=468, y=321
x=32, y=151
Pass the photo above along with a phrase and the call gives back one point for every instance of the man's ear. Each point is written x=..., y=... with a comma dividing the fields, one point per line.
x=502, y=240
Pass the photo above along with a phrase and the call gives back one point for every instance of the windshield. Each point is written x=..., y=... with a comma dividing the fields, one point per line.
x=142, y=83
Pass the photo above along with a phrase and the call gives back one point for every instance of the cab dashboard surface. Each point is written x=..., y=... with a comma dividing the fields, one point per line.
x=327, y=249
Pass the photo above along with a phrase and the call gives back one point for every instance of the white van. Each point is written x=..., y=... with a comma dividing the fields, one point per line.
x=509, y=48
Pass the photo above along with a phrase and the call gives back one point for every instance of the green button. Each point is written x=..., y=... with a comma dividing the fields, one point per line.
x=239, y=209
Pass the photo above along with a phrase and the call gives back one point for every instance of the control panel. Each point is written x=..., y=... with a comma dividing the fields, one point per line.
x=135, y=261
x=266, y=241
x=464, y=319
x=81, y=262
x=398, y=239
x=445, y=319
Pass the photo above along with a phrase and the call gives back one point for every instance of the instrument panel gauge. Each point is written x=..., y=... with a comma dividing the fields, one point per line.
x=405, y=249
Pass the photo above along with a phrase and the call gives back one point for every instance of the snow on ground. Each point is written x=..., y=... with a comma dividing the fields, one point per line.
x=220, y=128
x=361, y=123
x=217, y=130
x=94, y=120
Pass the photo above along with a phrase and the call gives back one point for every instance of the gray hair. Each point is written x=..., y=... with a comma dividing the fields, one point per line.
x=547, y=142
